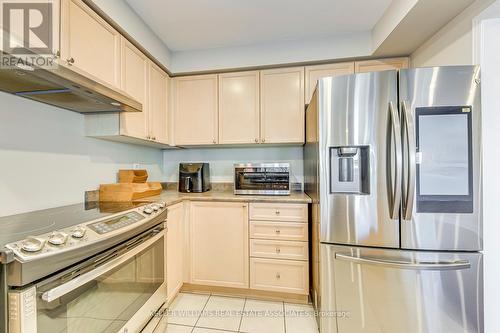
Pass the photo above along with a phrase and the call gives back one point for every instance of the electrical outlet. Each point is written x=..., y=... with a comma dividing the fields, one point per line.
x=136, y=166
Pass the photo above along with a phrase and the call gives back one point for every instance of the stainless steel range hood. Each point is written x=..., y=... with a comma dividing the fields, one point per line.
x=64, y=88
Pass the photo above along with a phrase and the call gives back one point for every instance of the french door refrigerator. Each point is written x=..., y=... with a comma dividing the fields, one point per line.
x=393, y=165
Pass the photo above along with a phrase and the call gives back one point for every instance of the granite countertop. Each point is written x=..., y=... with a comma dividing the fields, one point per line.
x=171, y=197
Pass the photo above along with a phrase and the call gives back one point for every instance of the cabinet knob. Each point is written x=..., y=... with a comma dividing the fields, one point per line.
x=278, y=231
x=214, y=141
x=278, y=276
x=263, y=140
x=277, y=212
x=256, y=140
x=153, y=138
x=278, y=250
x=71, y=60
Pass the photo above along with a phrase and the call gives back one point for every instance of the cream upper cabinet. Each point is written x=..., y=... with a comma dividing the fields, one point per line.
x=381, y=64
x=175, y=249
x=314, y=73
x=88, y=43
x=135, y=82
x=219, y=244
x=239, y=108
x=158, y=88
x=195, y=110
x=282, y=105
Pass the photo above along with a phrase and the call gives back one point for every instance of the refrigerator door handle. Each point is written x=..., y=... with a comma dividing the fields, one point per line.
x=411, y=149
x=396, y=191
x=421, y=266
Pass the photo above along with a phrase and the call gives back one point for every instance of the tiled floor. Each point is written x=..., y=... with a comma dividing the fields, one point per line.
x=197, y=313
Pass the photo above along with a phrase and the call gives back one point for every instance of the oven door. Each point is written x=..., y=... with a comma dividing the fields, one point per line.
x=118, y=292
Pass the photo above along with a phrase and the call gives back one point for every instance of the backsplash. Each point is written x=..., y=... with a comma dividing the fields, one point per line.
x=222, y=160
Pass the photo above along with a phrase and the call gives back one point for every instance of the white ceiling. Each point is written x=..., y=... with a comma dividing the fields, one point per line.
x=205, y=24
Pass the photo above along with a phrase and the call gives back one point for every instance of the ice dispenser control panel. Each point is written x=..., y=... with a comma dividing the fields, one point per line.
x=349, y=170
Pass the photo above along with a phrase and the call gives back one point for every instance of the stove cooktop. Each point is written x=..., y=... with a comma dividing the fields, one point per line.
x=16, y=227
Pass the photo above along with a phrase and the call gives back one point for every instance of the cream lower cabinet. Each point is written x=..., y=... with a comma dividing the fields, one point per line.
x=89, y=45
x=279, y=259
x=219, y=244
x=175, y=250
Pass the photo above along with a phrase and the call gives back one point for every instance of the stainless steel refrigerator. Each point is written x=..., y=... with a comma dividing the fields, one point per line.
x=393, y=164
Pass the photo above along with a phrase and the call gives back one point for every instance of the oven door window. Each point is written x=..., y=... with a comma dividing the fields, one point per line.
x=444, y=159
x=106, y=303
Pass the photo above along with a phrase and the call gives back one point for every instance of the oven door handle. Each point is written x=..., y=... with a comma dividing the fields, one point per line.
x=65, y=288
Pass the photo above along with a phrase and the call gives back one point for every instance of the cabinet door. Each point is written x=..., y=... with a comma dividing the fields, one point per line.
x=381, y=65
x=135, y=82
x=314, y=73
x=195, y=114
x=175, y=248
x=239, y=107
x=219, y=244
x=158, y=85
x=282, y=105
x=88, y=43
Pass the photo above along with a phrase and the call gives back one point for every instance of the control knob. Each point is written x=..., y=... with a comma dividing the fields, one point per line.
x=161, y=205
x=58, y=238
x=155, y=207
x=32, y=244
x=78, y=232
x=148, y=210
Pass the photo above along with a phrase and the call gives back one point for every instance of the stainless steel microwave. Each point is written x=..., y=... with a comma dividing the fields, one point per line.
x=262, y=178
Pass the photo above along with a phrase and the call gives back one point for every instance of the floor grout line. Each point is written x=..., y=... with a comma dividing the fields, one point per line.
x=243, y=311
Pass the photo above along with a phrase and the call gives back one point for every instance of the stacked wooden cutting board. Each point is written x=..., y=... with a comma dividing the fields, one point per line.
x=132, y=185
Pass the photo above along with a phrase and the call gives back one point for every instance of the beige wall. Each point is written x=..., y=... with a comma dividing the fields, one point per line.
x=453, y=44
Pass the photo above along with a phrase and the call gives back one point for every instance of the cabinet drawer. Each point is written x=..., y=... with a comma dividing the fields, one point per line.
x=278, y=249
x=278, y=230
x=279, y=275
x=278, y=212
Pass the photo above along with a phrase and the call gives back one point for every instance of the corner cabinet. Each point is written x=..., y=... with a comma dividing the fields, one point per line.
x=89, y=45
x=196, y=110
x=239, y=108
x=282, y=105
x=175, y=250
x=219, y=244
x=381, y=64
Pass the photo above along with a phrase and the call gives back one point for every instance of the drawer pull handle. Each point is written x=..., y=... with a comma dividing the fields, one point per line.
x=278, y=231
x=278, y=250
x=278, y=276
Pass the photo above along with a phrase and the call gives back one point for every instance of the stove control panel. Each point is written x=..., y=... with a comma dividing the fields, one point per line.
x=86, y=232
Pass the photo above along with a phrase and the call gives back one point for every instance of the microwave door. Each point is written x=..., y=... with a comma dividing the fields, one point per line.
x=441, y=199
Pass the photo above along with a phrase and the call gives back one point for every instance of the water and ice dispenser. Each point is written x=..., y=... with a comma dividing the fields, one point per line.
x=349, y=170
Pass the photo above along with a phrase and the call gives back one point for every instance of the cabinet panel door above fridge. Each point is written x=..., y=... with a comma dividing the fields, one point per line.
x=441, y=116
x=360, y=159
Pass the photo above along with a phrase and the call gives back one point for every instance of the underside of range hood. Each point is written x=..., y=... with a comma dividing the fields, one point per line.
x=64, y=88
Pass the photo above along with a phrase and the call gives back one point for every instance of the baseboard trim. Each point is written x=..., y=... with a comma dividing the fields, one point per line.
x=249, y=293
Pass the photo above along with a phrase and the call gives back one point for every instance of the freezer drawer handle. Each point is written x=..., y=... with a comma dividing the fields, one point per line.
x=421, y=266
x=59, y=291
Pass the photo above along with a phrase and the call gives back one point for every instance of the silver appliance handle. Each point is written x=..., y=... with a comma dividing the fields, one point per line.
x=396, y=194
x=412, y=144
x=423, y=266
x=187, y=186
x=63, y=289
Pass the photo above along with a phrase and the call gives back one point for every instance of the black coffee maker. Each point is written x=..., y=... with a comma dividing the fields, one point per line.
x=194, y=177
